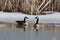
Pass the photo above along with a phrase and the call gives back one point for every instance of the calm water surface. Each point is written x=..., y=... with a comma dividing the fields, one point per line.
x=28, y=35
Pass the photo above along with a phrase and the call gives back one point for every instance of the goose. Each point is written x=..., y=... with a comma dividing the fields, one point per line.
x=23, y=23
x=36, y=25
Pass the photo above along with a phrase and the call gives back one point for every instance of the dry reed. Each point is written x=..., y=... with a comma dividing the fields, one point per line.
x=29, y=6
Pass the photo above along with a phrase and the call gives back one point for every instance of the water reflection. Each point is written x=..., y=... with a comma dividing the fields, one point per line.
x=18, y=34
x=28, y=35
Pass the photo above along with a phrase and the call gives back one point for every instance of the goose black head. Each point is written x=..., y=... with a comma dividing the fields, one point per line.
x=26, y=17
x=36, y=17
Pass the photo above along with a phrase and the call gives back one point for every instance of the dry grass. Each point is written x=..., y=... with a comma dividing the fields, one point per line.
x=29, y=6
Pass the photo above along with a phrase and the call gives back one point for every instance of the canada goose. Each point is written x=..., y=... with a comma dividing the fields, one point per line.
x=23, y=23
x=36, y=25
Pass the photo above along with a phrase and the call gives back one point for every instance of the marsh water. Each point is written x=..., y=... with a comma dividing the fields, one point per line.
x=28, y=35
x=19, y=34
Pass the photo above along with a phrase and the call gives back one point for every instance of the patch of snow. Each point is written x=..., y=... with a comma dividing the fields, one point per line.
x=14, y=16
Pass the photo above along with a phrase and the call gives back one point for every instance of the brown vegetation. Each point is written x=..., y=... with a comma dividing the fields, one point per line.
x=29, y=6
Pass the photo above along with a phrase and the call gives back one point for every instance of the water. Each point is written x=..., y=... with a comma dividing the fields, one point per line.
x=19, y=34
x=28, y=35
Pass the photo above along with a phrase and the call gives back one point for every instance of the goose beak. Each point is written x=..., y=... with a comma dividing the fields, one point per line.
x=27, y=18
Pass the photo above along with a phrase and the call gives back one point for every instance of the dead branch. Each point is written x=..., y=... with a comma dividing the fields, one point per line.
x=40, y=5
x=45, y=6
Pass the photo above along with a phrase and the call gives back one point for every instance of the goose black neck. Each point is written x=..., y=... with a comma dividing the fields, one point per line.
x=24, y=20
x=37, y=21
